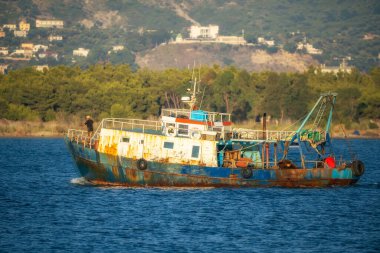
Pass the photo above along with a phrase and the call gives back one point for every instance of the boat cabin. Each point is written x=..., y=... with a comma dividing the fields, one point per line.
x=196, y=124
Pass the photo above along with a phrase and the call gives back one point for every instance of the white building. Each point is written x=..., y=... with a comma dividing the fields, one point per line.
x=343, y=67
x=20, y=33
x=41, y=68
x=206, y=32
x=37, y=48
x=309, y=48
x=48, y=54
x=55, y=38
x=49, y=23
x=232, y=40
x=4, y=51
x=117, y=48
x=24, y=52
x=10, y=26
x=3, y=68
x=83, y=52
x=263, y=41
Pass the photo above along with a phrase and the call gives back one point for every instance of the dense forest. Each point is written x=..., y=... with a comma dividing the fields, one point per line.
x=106, y=90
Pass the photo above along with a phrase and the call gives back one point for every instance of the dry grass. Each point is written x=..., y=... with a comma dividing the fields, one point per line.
x=38, y=128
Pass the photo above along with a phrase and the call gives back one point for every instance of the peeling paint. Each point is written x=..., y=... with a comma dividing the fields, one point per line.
x=111, y=170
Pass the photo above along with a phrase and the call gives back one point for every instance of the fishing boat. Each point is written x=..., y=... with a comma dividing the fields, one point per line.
x=196, y=148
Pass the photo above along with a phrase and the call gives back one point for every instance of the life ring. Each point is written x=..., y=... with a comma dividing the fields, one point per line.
x=358, y=168
x=171, y=131
x=142, y=164
x=195, y=134
x=246, y=172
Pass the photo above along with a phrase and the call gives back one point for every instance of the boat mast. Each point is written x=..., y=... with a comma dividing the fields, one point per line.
x=192, y=100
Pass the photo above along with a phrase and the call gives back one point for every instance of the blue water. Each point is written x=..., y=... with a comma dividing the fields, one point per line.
x=46, y=207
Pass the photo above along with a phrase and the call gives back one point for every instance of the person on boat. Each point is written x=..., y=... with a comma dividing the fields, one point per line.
x=258, y=118
x=90, y=125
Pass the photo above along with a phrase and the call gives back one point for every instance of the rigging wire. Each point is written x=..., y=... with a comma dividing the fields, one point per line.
x=203, y=95
x=348, y=142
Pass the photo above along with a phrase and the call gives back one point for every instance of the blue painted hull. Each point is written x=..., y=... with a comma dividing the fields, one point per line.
x=105, y=169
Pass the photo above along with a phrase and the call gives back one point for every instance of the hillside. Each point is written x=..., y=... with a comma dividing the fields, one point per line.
x=341, y=29
x=182, y=56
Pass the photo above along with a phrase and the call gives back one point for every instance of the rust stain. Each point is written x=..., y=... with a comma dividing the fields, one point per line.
x=131, y=174
x=112, y=150
x=115, y=172
x=147, y=175
x=233, y=176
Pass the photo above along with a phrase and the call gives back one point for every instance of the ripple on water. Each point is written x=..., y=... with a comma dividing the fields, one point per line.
x=45, y=206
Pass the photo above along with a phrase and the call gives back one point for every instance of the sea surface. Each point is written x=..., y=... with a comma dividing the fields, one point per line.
x=45, y=206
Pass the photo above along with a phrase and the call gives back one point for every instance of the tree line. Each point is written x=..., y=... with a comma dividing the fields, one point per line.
x=106, y=90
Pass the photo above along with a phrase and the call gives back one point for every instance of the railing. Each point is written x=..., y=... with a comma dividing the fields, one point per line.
x=144, y=126
x=80, y=136
x=269, y=135
x=309, y=164
x=185, y=113
x=130, y=124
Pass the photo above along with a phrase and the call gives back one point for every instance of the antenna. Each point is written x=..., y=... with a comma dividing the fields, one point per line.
x=192, y=75
x=199, y=77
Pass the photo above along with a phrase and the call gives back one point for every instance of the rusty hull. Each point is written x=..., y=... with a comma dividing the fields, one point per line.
x=107, y=169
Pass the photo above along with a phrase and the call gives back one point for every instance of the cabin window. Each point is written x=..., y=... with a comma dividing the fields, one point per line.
x=125, y=139
x=170, y=124
x=168, y=145
x=217, y=129
x=195, y=152
x=183, y=129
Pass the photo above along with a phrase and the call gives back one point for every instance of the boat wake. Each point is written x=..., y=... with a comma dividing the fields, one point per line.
x=80, y=181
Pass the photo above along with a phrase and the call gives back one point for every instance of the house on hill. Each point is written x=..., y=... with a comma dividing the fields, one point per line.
x=310, y=49
x=4, y=51
x=49, y=23
x=24, y=26
x=55, y=38
x=39, y=47
x=204, y=32
x=3, y=69
x=20, y=33
x=27, y=46
x=83, y=52
x=263, y=41
x=41, y=68
x=27, y=53
x=343, y=68
x=11, y=27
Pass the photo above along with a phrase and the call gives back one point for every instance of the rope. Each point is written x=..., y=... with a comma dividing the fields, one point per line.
x=203, y=95
x=304, y=116
x=351, y=153
x=243, y=148
x=319, y=115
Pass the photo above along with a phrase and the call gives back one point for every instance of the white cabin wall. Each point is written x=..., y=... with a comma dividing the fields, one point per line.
x=153, y=147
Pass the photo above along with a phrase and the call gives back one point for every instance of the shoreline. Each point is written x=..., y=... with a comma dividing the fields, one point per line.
x=59, y=128
x=61, y=136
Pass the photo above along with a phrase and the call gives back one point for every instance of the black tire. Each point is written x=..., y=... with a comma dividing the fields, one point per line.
x=142, y=164
x=358, y=168
x=286, y=164
x=246, y=172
